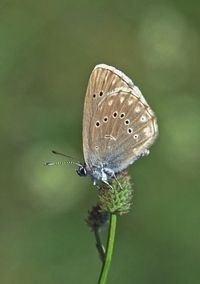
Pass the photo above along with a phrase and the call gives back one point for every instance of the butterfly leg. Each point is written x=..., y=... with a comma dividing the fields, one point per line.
x=117, y=181
x=107, y=183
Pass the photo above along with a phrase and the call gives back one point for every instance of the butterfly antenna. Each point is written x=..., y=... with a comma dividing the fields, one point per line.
x=61, y=154
x=62, y=163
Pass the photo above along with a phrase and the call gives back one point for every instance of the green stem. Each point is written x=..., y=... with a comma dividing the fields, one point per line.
x=109, y=249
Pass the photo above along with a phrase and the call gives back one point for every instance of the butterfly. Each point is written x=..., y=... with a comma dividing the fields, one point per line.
x=118, y=124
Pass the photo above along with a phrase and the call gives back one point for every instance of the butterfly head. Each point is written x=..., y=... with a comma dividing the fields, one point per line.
x=82, y=171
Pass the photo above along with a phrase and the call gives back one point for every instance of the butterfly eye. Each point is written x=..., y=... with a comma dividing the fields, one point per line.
x=94, y=96
x=81, y=171
x=101, y=94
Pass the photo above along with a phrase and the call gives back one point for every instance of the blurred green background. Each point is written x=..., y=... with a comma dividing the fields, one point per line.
x=47, y=51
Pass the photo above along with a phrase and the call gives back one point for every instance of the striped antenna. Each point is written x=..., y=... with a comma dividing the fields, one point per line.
x=61, y=163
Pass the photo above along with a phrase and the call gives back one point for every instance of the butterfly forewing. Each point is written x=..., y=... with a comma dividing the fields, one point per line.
x=103, y=80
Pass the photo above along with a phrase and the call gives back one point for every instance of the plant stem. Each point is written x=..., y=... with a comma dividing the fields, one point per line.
x=109, y=249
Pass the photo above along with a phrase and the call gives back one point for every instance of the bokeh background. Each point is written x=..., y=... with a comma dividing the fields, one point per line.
x=47, y=51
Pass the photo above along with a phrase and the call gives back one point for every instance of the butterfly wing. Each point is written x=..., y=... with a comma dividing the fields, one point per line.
x=123, y=130
x=118, y=123
x=103, y=80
